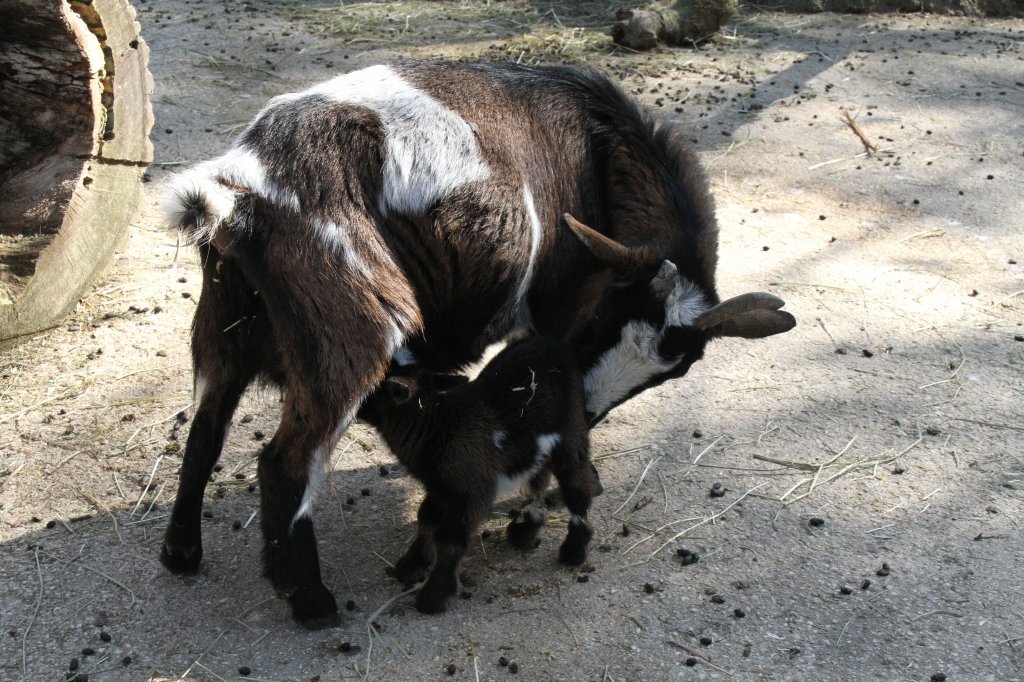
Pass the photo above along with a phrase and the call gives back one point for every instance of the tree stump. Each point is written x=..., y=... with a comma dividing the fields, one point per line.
x=687, y=22
x=75, y=117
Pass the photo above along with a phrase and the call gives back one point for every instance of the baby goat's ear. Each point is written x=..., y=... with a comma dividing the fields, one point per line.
x=397, y=389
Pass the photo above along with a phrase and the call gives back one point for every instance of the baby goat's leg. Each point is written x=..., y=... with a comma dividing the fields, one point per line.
x=575, y=474
x=522, y=531
x=412, y=567
x=463, y=513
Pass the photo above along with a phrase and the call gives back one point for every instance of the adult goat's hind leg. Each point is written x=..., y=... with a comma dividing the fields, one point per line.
x=289, y=469
x=231, y=344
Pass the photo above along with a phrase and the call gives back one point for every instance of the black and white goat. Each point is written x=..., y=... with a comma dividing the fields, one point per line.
x=519, y=418
x=420, y=205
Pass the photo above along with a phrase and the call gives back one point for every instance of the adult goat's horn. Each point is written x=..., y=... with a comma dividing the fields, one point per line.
x=610, y=252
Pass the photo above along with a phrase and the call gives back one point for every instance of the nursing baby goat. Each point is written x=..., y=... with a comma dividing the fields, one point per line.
x=522, y=416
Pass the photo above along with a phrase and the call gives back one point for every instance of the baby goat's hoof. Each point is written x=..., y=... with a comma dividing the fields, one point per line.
x=523, y=534
x=408, y=573
x=181, y=560
x=573, y=551
x=314, y=607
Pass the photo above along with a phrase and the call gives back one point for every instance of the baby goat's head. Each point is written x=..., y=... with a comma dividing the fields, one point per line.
x=407, y=383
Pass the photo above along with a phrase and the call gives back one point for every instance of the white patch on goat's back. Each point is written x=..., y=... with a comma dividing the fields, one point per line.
x=336, y=239
x=628, y=364
x=536, y=235
x=321, y=455
x=508, y=484
x=430, y=150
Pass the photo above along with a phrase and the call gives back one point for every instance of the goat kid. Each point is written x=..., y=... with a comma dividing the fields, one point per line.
x=522, y=416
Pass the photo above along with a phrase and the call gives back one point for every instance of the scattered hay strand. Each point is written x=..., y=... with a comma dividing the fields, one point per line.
x=145, y=490
x=35, y=612
x=816, y=482
x=871, y=147
x=936, y=612
x=637, y=486
x=372, y=631
x=697, y=654
x=87, y=567
x=708, y=519
x=994, y=425
x=618, y=453
x=924, y=234
x=705, y=450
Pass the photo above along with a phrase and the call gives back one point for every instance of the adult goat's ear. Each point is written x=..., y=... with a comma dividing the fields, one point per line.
x=754, y=315
x=624, y=260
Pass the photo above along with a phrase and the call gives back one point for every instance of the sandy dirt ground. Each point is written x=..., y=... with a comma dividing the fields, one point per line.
x=885, y=430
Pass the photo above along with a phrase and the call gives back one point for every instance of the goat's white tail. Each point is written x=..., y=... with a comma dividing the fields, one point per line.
x=197, y=203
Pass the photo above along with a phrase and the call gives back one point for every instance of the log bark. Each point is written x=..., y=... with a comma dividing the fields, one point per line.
x=74, y=141
x=687, y=22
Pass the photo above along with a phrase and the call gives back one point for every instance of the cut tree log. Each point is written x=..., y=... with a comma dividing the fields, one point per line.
x=687, y=22
x=75, y=117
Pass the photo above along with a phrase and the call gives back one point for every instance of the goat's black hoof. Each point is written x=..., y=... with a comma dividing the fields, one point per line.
x=572, y=553
x=314, y=608
x=181, y=560
x=523, y=534
x=431, y=602
x=409, y=573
